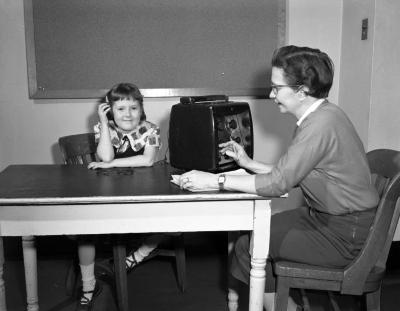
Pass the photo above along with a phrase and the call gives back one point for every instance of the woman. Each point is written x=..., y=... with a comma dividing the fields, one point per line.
x=326, y=159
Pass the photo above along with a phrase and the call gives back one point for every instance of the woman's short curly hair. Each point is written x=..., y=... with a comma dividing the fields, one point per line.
x=305, y=66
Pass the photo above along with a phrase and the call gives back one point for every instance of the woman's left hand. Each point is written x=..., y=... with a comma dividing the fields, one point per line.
x=199, y=181
x=95, y=165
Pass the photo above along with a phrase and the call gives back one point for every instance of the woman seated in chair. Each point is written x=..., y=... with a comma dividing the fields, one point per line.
x=125, y=139
x=326, y=159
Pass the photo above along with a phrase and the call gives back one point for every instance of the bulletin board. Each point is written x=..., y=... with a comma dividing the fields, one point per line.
x=79, y=49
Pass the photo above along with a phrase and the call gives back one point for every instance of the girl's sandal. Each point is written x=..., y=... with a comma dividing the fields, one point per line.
x=86, y=304
x=130, y=263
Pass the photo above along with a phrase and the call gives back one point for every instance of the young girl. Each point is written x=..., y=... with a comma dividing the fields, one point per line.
x=125, y=139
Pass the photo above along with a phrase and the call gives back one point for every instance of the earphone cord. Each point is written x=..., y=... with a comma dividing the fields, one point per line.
x=166, y=150
x=165, y=159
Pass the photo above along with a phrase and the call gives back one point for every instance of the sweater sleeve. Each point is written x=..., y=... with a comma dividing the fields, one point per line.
x=309, y=146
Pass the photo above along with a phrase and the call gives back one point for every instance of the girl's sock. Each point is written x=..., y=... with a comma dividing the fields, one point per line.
x=144, y=251
x=88, y=280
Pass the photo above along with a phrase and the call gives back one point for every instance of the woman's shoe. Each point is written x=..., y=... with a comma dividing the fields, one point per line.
x=85, y=304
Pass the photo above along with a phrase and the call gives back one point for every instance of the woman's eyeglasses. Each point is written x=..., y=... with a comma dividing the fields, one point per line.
x=276, y=87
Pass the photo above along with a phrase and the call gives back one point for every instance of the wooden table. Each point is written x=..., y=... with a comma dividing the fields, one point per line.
x=58, y=199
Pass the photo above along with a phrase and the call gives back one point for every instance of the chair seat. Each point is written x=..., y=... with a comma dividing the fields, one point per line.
x=299, y=270
x=316, y=277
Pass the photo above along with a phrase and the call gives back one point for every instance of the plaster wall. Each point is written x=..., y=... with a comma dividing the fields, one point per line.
x=356, y=64
x=384, y=121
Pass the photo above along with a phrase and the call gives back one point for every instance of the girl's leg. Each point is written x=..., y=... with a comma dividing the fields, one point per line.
x=149, y=244
x=87, y=253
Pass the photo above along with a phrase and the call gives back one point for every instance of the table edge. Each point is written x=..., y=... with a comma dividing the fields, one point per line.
x=132, y=199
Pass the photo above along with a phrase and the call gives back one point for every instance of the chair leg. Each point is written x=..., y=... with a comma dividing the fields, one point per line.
x=332, y=300
x=71, y=280
x=304, y=298
x=119, y=253
x=282, y=294
x=373, y=300
x=180, y=259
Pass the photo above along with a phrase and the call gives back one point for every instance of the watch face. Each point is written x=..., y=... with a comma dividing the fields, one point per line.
x=221, y=181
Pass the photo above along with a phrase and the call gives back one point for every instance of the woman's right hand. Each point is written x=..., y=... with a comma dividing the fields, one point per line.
x=236, y=152
x=102, y=111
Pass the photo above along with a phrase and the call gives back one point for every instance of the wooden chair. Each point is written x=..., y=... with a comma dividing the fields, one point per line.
x=80, y=149
x=364, y=275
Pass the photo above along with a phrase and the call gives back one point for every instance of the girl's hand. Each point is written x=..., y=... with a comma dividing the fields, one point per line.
x=95, y=165
x=236, y=152
x=102, y=111
x=199, y=181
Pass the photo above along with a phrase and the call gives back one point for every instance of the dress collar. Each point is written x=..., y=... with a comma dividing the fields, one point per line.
x=137, y=138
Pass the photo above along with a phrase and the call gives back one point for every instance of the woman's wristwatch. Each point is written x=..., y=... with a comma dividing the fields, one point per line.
x=221, y=181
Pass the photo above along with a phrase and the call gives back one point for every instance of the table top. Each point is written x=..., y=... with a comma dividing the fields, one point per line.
x=75, y=184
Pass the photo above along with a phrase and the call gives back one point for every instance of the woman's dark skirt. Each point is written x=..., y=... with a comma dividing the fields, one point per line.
x=307, y=236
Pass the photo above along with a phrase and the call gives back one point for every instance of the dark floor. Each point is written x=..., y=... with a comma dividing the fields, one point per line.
x=152, y=285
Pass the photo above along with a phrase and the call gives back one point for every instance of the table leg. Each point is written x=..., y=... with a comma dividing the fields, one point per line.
x=3, y=306
x=30, y=264
x=259, y=247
